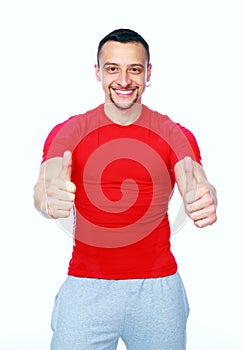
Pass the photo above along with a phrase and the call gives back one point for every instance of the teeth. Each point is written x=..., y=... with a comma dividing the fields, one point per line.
x=124, y=92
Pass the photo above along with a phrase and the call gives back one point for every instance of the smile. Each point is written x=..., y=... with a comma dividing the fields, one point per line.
x=124, y=92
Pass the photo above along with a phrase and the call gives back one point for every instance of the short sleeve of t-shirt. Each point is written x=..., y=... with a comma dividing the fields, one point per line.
x=62, y=137
x=183, y=143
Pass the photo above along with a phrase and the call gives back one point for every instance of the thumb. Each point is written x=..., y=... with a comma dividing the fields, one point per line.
x=66, y=170
x=191, y=182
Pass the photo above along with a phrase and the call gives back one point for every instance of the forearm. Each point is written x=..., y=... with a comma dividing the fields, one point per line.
x=40, y=199
x=54, y=193
x=199, y=195
x=181, y=176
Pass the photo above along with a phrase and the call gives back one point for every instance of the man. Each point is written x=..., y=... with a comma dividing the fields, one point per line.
x=115, y=167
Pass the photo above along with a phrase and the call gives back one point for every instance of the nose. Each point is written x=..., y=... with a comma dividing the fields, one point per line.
x=124, y=79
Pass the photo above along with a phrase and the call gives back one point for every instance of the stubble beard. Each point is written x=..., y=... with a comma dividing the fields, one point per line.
x=123, y=105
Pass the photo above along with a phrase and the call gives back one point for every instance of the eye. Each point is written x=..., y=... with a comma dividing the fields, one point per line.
x=112, y=69
x=136, y=70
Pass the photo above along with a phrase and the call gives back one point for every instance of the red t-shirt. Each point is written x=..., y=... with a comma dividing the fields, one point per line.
x=124, y=178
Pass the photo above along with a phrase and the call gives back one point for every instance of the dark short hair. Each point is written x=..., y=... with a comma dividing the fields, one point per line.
x=123, y=36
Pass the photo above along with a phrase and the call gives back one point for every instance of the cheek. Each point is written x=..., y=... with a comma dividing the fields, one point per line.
x=141, y=80
x=142, y=84
x=107, y=82
x=106, y=86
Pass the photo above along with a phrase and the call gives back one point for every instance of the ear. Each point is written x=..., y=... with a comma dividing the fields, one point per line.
x=97, y=71
x=149, y=69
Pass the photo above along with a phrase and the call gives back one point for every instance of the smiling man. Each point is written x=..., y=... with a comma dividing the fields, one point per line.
x=124, y=70
x=115, y=168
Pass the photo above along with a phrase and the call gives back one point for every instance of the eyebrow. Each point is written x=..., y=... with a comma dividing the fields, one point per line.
x=130, y=65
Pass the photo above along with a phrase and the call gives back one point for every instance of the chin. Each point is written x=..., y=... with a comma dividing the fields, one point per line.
x=124, y=105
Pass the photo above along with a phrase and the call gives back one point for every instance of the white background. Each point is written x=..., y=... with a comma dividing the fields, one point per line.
x=48, y=49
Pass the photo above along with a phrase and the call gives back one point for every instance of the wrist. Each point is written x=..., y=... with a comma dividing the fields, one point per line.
x=44, y=208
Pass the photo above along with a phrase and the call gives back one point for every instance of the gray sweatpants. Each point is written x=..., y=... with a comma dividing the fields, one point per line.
x=148, y=314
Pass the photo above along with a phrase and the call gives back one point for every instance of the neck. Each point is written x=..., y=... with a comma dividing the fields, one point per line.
x=123, y=116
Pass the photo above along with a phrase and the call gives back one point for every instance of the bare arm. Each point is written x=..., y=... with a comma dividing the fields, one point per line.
x=199, y=195
x=54, y=193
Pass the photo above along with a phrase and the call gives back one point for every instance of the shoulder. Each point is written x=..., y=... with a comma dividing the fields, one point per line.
x=75, y=121
x=180, y=139
x=66, y=135
x=162, y=123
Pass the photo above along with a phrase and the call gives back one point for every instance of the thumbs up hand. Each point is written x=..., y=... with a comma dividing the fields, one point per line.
x=66, y=170
x=198, y=194
x=60, y=191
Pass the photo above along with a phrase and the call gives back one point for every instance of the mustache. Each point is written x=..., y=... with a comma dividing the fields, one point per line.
x=129, y=87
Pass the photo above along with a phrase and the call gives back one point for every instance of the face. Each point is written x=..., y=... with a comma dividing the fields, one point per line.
x=123, y=71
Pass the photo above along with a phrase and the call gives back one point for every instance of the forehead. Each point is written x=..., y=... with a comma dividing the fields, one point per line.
x=123, y=53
